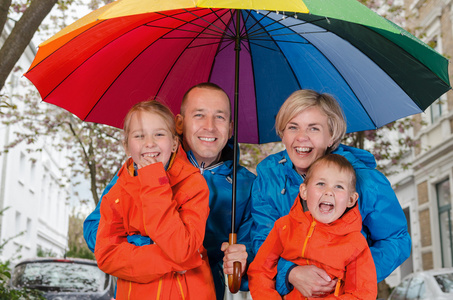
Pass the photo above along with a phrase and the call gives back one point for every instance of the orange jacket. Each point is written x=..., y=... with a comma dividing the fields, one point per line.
x=339, y=248
x=171, y=207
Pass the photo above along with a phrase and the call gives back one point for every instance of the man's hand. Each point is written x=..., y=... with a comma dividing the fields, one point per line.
x=312, y=281
x=232, y=253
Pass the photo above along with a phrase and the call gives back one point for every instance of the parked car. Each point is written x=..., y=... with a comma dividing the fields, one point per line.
x=60, y=279
x=425, y=285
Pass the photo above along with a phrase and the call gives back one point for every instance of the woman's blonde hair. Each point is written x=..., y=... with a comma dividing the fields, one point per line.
x=300, y=100
x=151, y=106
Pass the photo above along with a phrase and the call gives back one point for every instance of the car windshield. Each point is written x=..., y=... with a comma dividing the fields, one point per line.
x=60, y=276
x=445, y=282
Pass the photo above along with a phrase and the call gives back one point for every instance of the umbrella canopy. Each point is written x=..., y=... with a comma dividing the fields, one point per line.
x=131, y=50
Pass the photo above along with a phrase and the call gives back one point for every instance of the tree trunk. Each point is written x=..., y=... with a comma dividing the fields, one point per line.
x=21, y=34
x=4, y=7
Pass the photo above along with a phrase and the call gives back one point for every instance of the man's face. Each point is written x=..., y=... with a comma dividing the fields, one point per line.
x=205, y=125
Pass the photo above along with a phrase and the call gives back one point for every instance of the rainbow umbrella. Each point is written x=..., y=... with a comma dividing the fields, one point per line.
x=258, y=51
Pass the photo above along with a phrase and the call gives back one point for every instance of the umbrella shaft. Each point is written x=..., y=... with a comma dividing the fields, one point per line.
x=236, y=121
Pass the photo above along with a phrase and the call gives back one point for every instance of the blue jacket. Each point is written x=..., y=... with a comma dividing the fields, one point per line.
x=384, y=222
x=218, y=226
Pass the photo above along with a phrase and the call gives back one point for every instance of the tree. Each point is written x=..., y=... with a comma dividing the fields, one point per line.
x=22, y=33
x=95, y=150
x=31, y=15
x=76, y=243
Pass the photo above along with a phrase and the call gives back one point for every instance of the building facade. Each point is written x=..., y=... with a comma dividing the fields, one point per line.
x=32, y=193
x=424, y=190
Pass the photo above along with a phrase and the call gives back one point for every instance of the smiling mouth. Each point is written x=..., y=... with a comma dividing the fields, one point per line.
x=326, y=207
x=207, y=139
x=303, y=150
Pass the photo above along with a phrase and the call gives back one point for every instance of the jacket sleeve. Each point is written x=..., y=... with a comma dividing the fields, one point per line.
x=360, y=278
x=121, y=259
x=177, y=232
x=384, y=222
x=265, y=213
x=91, y=223
x=263, y=269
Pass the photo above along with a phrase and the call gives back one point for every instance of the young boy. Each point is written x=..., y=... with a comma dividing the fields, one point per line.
x=326, y=236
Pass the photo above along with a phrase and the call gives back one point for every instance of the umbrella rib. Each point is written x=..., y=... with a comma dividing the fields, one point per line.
x=219, y=32
x=289, y=65
x=201, y=32
x=258, y=32
x=257, y=22
x=232, y=33
x=216, y=34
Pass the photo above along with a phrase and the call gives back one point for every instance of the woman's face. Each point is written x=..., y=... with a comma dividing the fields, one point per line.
x=306, y=138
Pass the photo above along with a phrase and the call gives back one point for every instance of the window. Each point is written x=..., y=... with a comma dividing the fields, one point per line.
x=28, y=231
x=436, y=110
x=18, y=222
x=444, y=208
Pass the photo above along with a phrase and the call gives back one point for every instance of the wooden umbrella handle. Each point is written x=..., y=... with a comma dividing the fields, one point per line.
x=234, y=281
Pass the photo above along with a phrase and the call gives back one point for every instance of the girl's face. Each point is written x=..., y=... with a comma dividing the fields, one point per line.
x=149, y=139
x=306, y=138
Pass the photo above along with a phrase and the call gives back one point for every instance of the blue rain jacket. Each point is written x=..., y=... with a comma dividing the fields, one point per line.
x=218, y=226
x=384, y=222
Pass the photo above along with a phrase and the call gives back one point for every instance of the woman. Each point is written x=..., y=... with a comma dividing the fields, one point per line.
x=312, y=125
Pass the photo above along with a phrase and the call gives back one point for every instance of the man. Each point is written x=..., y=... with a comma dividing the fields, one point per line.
x=205, y=125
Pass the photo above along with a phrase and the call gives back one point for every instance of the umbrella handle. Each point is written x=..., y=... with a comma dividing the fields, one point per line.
x=234, y=281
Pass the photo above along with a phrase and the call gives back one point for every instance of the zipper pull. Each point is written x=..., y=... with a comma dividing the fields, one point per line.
x=202, y=168
x=312, y=228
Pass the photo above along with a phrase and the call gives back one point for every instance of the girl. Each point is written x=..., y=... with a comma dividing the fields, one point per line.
x=160, y=195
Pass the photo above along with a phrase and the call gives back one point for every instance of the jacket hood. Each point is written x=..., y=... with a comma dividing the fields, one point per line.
x=349, y=222
x=359, y=158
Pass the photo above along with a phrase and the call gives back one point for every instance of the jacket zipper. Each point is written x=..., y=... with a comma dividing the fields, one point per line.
x=310, y=233
x=159, y=288
x=130, y=290
x=180, y=286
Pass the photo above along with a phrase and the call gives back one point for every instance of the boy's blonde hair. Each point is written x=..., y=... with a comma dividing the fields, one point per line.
x=300, y=100
x=331, y=160
x=151, y=106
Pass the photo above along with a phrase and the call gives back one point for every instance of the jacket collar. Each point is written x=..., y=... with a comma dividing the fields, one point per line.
x=349, y=222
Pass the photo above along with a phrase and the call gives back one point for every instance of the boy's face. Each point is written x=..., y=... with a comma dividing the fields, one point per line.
x=328, y=193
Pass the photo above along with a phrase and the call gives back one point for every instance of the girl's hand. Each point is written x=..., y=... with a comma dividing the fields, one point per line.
x=145, y=161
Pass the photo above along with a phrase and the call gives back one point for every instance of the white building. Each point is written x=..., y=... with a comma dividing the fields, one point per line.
x=31, y=186
x=424, y=191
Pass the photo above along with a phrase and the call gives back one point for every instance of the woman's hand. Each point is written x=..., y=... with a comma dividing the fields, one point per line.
x=312, y=281
x=232, y=253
